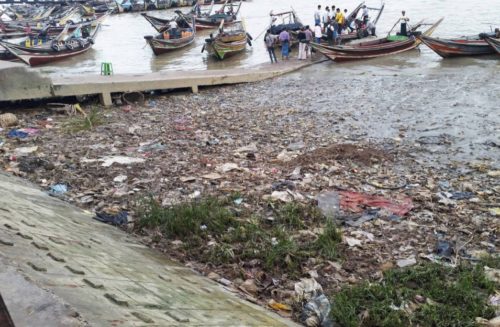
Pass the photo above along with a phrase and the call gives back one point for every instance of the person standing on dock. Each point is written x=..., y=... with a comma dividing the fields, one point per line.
x=326, y=18
x=309, y=39
x=317, y=16
x=270, y=41
x=339, y=17
x=302, y=44
x=285, y=44
x=404, y=24
x=318, y=34
x=329, y=34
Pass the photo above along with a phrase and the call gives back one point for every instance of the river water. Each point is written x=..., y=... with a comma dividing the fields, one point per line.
x=121, y=41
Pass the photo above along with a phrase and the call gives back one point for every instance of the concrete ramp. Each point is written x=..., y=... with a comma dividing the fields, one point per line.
x=18, y=82
x=58, y=267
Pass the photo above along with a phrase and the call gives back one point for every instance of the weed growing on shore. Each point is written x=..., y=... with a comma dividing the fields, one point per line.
x=213, y=232
x=84, y=123
x=424, y=295
x=183, y=221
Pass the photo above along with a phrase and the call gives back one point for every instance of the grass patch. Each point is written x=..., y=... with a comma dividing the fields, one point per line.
x=326, y=244
x=454, y=297
x=185, y=221
x=84, y=123
x=213, y=231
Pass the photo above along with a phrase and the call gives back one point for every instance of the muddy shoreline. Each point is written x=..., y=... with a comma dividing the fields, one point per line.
x=431, y=137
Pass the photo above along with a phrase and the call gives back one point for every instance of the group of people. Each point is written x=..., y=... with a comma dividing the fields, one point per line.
x=304, y=37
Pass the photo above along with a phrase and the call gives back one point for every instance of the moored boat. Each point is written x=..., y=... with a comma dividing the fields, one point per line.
x=360, y=29
x=228, y=41
x=227, y=14
x=493, y=42
x=392, y=44
x=39, y=56
x=287, y=20
x=448, y=48
x=171, y=39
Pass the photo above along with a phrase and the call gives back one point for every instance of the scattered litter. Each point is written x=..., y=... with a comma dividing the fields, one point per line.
x=492, y=274
x=227, y=167
x=122, y=160
x=212, y=176
x=120, y=178
x=411, y=261
x=23, y=151
x=307, y=289
x=15, y=133
x=151, y=147
x=8, y=120
x=279, y=306
x=355, y=202
x=251, y=148
x=58, y=189
x=316, y=312
x=444, y=249
x=352, y=241
x=329, y=204
x=117, y=218
x=133, y=98
x=283, y=196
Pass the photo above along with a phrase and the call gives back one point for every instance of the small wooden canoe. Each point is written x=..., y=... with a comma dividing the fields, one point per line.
x=373, y=49
x=36, y=57
x=448, y=48
x=169, y=40
x=227, y=42
x=494, y=43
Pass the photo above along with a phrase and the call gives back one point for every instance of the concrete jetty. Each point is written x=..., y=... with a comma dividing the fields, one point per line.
x=59, y=267
x=19, y=83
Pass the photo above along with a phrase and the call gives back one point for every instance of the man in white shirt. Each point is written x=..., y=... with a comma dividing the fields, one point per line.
x=404, y=23
x=318, y=34
x=317, y=16
x=365, y=12
x=326, y=17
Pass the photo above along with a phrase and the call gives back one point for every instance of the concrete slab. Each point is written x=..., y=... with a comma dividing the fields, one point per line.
x=58, y=267
x=17, y=82
x=27, y=85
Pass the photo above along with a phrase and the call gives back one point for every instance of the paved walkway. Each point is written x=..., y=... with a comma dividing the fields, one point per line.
x=58, y=267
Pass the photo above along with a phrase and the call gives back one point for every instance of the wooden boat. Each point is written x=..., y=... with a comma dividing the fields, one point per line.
x=494, y=43
x=169, y=40
x=228, y=41
x=392, y=44
x=448, y=48
x=40, y=56
x=359, y=33
x=160, y=23
x=228, y=14
x=289, y=20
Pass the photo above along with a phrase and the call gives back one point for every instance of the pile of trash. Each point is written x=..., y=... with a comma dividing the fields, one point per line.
x=394, y=210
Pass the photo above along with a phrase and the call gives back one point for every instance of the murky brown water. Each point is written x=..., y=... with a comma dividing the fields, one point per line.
x=121, y=41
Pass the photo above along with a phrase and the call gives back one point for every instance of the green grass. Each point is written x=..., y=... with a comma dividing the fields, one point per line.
x=184, y=221
x=84, y=123
x=456, y=297
x=242, y=236
x=326, y=244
